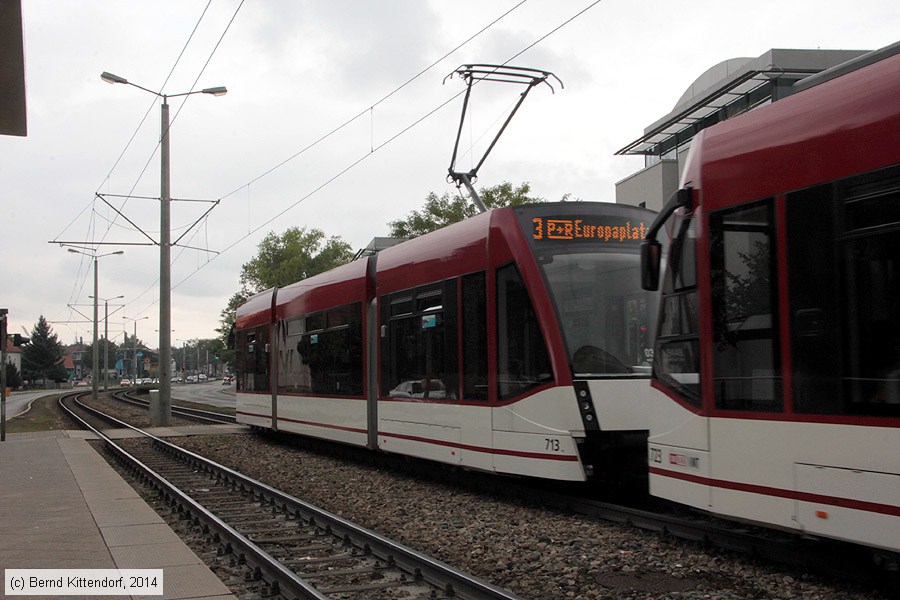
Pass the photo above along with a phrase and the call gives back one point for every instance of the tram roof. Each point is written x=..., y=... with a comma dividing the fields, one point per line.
x=846, y=125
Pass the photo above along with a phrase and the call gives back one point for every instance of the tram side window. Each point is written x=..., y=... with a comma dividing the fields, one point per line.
x=676, y=354
x=523, y=361
x=745, y=362
x=322, y=353
x=474, y=337
x=872, y=301
x=253, y=360
x=419, y=343
x=294, y=376
x=844, y=255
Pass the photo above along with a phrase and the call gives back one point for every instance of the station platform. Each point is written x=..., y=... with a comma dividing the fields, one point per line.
x=63, y=507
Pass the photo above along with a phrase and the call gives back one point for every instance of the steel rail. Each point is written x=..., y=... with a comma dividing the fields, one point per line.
x=255, y=555
x=182, y=411
x=437, y=573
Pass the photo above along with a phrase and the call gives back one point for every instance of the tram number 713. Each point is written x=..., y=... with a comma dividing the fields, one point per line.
x=552, y=444
x=655, y=455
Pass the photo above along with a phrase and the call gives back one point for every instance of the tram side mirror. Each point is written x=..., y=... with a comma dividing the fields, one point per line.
x=651, y=251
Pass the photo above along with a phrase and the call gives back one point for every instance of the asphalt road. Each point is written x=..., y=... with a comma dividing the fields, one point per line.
x=211, y=392
x=18, y=402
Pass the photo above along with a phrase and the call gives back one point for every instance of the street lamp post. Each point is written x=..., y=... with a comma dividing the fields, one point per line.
x=165, y=265
x=96, y=351
x=134, y=345
x=106, y=340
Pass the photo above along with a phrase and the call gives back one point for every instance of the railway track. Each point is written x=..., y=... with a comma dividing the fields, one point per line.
x=825, y=557
x=287, y=547
x=196, y=414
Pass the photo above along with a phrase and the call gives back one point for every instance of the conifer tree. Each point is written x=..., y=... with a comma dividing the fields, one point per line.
x=42, y=358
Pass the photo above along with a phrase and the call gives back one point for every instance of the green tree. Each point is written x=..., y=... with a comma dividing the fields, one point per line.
x=296, y=254
x=440, y=211
x=87, y=361
x=42, y=358
x=195, y=354
x=226, y=321
x=13, y=379
x=280, y=260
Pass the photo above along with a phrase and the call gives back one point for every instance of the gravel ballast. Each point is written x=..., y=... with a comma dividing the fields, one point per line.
x=535, y=552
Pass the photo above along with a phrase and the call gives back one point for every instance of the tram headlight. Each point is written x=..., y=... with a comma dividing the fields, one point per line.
x=585, y=406
x=589, y=417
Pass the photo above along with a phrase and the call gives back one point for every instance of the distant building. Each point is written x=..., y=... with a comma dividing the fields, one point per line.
x=69, y=363
x=725, y=90
x=14, y=355
x=76, y=353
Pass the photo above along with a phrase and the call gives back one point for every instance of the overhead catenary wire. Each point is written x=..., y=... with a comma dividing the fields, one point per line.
x=371, y=108
x=139, y=127
x=373, y=149
x=152, y=105
x=191, y=90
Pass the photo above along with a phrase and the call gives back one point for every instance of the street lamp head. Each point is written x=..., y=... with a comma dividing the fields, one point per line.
x=216, y=91
x=93, y=253
x=108, y=299
x=110, y=78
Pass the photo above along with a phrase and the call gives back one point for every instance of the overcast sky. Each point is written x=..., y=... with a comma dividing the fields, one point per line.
x=297, y=70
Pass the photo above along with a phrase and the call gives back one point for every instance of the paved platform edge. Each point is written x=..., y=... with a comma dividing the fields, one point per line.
x=136, y=537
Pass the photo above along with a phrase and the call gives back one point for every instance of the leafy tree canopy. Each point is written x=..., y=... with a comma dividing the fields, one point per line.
x=194, y=355
x=296, y=254
x=440, y=211
x=283, y=259
x=87, y=358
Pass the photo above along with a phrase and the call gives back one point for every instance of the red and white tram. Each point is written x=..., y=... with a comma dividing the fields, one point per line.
x=515, y=342
x=778, y=344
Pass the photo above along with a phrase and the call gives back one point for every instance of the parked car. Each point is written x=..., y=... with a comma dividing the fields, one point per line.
x=123, y=383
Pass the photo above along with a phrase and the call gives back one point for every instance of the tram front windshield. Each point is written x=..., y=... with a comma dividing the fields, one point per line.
x=605, y=316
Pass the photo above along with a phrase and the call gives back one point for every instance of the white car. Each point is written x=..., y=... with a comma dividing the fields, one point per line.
x=417, y=389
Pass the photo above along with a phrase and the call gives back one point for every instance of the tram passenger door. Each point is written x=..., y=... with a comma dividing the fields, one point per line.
x=419, y=411
x=745, y=355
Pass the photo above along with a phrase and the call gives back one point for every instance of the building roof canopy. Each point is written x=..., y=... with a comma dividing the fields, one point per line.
x=729, y=88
